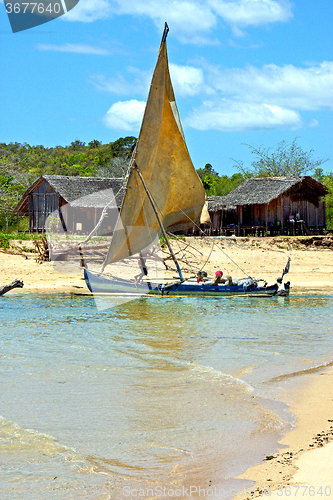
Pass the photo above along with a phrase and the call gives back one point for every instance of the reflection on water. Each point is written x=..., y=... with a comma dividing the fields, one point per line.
x=158, y=391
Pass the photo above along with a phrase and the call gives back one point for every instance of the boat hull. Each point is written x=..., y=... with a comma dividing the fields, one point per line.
x=100, y=284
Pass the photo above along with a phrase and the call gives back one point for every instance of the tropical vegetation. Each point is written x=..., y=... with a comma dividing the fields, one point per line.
x=22, y=164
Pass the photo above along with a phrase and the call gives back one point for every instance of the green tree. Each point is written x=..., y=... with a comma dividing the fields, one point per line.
x=21, y=164
x=206, y=171
x=216, y=185
x=285, y=160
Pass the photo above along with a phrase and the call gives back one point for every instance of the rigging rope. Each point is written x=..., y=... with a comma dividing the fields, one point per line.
x=204, y=234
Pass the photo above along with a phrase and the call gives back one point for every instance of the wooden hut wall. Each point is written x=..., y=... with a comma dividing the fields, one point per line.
x=283, y=207
x=82, y=220
x=316, y=215
x=42, y=202
x=215, y=217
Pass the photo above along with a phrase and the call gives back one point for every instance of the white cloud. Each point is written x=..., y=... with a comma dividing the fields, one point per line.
x=79, y=48
x=125, y=115
x=191, y=21
x=251, y=12
x=230, y=116
x=307, y=88
x=188, y=80
x=185, y=17
x=138, y=84
x=313, y=123
x=264, y=98
x=88, y=11
x=240, y=99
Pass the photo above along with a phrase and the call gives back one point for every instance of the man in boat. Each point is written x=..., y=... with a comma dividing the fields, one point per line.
x=281, y=289
x=220, y=279
x=201, y=276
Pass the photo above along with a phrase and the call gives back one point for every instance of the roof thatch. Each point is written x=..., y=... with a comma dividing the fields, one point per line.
x=93, y=192
x=262, y=190
x=215, y=203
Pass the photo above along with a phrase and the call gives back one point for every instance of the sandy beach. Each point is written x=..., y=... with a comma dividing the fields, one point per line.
x=311, y=265
x=303, y=467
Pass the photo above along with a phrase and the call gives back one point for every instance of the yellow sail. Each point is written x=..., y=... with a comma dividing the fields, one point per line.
x=163, y=160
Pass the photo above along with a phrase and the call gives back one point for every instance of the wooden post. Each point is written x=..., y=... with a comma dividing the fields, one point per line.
x=324, y=215
x=238, y=219
x=44, y=214
x=266, y=217
x=282, y=214
x=7, y=221
x=37, y=221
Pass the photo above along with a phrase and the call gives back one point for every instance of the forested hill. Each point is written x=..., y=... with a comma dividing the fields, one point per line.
x=92, y=159
x=22, y=164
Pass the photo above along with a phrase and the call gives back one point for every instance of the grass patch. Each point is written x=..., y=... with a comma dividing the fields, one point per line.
x=4, y=239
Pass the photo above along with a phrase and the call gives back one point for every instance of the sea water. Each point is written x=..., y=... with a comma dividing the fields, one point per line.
x=156, y=398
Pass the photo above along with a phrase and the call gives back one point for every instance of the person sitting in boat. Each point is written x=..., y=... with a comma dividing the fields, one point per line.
x=220, y=279
x=201, y=276
x=281, y=289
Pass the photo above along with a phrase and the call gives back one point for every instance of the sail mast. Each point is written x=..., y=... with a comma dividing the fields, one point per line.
x=164, y=36
x=160, y=223
x=167, y=173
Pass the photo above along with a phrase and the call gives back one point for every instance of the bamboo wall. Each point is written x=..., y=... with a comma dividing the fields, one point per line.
x=283, y=208
x=276, y=214
x=42, y=203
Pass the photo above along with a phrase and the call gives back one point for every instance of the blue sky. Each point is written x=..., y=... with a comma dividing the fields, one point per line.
x=244, y=72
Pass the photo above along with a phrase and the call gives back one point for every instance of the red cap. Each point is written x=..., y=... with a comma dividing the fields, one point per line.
x=219, y=273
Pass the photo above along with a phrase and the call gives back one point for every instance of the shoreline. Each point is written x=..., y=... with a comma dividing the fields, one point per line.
x=302, y=466
x=309, y=396
x=311, y=268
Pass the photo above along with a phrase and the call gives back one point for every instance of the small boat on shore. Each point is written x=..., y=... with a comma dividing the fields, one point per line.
x=163, y=194
x=97, y=283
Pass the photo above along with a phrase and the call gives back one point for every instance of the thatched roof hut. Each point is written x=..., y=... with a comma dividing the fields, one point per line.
x=80, y=200
x=274, y=204
x=262, y=190
x=77, y=191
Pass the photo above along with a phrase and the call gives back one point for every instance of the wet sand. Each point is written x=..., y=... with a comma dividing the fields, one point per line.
x=303, y=468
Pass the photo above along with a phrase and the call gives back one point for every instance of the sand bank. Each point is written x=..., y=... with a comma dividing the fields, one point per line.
x=304, y=467
x=311, y=267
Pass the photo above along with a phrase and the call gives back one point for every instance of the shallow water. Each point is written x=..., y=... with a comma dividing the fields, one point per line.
x=157, y=393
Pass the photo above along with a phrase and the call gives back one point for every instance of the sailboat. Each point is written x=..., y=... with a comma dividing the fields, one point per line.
x=163, y=194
